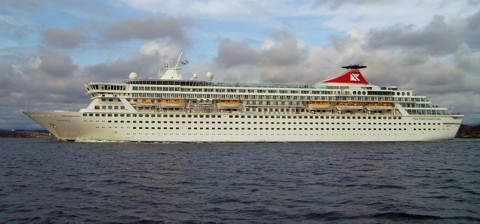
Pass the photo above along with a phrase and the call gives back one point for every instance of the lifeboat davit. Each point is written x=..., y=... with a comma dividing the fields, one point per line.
x=319, y=106
x=349, y=106
x=229, y=104
x=372, y=106
x=172, y=103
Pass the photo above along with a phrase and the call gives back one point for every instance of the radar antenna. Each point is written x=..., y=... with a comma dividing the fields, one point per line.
x=354, y=66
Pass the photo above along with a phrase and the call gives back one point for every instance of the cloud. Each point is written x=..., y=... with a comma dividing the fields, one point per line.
x=285, y=51
x=149, y=62
x=61, y=38
x=10, y=26
x=337, y=4
x=204, y=8
x=6, y=78
x=471, y=31
x=144, y=65
x=150, y=28
x=402, y=55
x=161, y=49
x=26, y=5
x=269, y=63
x=437, y=38
x=55, y=63
x=47, y=80
x=232, y=53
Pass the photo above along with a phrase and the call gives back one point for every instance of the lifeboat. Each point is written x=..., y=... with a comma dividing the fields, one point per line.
x=172, y=103
x=319, y=106
x=229, y=104
x=349, y=106
x=378, y=106
x=144, y=102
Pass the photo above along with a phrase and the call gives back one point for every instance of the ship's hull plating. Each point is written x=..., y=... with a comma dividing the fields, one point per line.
x=230, y=127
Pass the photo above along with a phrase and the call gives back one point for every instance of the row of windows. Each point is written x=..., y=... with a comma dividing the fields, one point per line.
x=272, y=123
x=284, y=129
x=410, y=111
x=427, y=112
x=240, y=116
x=222, y=90
x=106, y=87
x=276, y=97
x=97, y=107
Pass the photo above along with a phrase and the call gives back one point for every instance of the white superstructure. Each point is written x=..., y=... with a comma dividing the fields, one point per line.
x=173, y=109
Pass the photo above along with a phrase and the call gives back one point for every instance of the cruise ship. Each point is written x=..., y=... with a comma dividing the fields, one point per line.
x=346, y=108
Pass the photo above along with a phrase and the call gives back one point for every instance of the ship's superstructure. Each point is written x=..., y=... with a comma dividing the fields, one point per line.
x=173, y=109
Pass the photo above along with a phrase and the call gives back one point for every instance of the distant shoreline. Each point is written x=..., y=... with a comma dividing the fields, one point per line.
x=24, y=134
x=465, y=131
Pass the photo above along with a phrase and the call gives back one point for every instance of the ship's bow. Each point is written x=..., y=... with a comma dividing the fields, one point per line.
x=60, y=124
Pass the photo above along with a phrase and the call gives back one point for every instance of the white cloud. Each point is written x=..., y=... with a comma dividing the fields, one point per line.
x=159, y=48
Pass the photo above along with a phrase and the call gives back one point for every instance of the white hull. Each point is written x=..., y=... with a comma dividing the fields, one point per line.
x=74, y=126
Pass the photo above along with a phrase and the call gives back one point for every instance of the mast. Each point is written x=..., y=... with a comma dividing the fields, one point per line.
x=178, y=61
x=171, y=72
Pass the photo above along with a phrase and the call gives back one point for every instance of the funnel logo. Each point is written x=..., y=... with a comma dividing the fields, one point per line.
x=354, y=77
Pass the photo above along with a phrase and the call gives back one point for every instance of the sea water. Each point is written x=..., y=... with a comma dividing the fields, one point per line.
x=429, y=182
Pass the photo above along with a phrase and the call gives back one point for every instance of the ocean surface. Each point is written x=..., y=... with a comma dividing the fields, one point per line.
x=44, y=181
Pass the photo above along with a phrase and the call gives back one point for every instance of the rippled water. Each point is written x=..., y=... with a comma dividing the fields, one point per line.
x=46, y=181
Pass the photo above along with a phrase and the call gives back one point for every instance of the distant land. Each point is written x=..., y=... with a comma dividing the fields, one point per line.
x=465, y=131
x=24, y=134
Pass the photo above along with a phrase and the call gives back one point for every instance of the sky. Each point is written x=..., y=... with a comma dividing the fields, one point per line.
x=50, y=48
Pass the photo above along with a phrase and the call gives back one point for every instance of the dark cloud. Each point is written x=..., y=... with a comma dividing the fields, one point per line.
x=437, y=38
x=55, y=63
x=6, y=79
x=62, y=38
x=232, y=53
x=48, y=80
x=286, y=51
x=52, y=76
x=150, y=28
x=282, y=60
x=471, y=33
x=275, y=61
x=144, y=65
